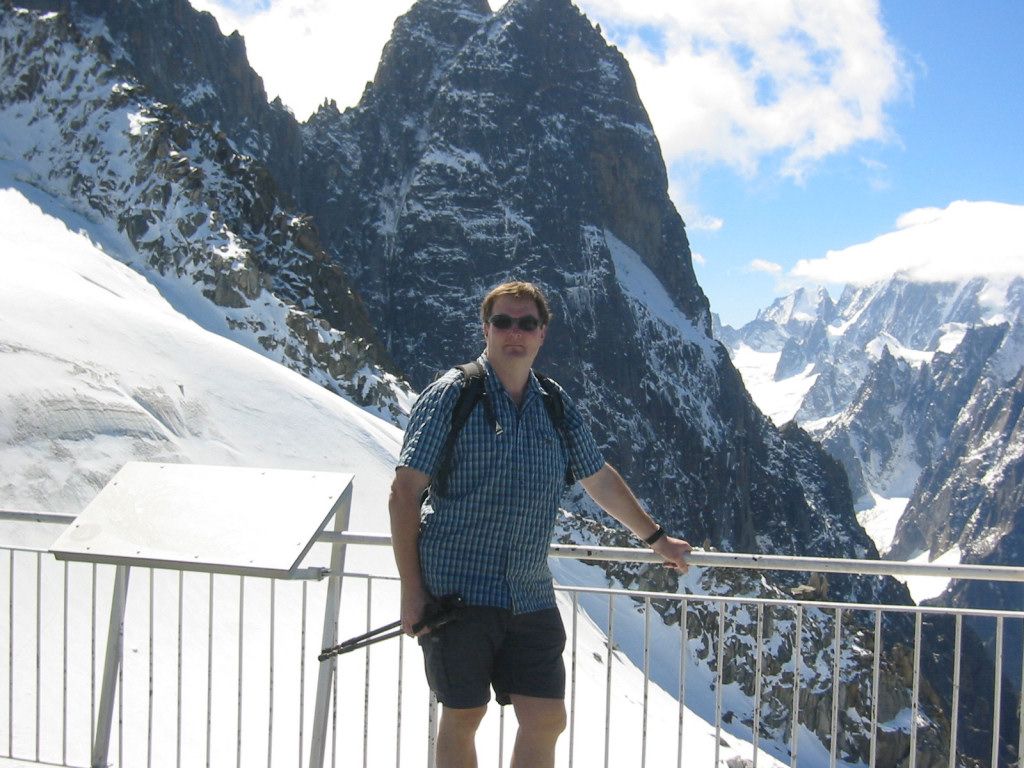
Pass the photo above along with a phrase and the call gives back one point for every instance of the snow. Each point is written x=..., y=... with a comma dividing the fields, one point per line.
x=926, y=587
x=101, y=368
x=778, y=400
x=879, y=516
x=952, y=335
x=642, y=286
x=915, y=357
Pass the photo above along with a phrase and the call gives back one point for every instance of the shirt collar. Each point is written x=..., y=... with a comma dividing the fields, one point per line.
x=494, y=385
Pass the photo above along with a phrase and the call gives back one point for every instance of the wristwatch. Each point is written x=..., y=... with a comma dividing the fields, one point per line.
x=655, y=536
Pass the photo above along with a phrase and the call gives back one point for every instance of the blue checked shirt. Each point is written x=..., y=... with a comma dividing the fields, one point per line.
x=487, y=539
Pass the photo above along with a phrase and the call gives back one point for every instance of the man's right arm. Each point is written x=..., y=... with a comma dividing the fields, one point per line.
x=404, y=507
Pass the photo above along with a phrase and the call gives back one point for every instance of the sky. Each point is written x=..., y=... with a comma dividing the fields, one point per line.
x=796, y=134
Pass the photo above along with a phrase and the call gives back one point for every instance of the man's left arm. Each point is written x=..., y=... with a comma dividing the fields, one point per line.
x=610, y=491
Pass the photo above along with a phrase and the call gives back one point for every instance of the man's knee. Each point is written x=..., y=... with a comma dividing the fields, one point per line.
x=462, y=720
x=540, y=716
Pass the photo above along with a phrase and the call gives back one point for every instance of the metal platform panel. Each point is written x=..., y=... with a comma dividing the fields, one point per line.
x=237, y=520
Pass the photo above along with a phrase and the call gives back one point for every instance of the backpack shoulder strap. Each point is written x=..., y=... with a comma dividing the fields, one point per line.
x=556, y=412
x=473, y=391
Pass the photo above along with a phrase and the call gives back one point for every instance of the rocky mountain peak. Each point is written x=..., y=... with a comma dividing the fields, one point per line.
x=422, y=43
x=183, y=59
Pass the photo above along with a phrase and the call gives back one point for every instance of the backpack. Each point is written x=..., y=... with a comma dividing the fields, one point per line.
x=473, y=392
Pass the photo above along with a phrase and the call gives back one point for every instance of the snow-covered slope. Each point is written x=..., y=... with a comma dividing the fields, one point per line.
x=99, y=369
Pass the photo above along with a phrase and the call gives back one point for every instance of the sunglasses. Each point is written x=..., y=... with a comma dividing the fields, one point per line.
x=526, y=323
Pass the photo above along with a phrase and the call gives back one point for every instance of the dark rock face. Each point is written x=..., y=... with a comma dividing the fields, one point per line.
x=514, y=145
x=972, y=497
x=190, y=206
x=190, y=64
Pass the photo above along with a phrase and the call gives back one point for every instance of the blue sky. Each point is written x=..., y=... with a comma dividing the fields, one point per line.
x=793, y=132
x=958, y=134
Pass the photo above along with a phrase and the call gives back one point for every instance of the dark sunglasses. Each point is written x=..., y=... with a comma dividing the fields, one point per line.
x=526, y=323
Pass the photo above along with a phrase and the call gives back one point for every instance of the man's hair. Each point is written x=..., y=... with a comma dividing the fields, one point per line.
x=517, y=289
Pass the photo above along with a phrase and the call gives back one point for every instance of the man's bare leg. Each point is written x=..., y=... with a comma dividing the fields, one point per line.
x=541, y=721
x=456, y=746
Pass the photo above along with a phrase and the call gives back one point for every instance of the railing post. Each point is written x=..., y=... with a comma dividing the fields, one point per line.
x=432, y=731
x=318, y=747
x=111, y=665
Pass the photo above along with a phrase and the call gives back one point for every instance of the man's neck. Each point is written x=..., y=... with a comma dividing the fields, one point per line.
x=514, y=378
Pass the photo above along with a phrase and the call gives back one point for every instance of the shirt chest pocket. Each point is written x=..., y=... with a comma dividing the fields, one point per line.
x=543, y=451
x=478, y=456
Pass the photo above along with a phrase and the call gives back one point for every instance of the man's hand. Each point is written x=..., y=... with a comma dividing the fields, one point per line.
x=674, y=552
x=414, y=603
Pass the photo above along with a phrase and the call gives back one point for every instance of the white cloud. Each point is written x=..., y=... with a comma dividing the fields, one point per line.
x=308, y=50
x=963, y=240
x=762, y=265
x=698, y=258
x=919, y=216
x=735, y=81
x=695, y=218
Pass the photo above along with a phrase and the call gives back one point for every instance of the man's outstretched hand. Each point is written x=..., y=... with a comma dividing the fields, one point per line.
x=674, y=552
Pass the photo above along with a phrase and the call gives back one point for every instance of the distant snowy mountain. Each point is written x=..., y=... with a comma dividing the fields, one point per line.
x=920, y=384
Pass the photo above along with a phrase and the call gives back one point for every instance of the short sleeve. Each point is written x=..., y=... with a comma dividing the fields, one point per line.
x=584, y=454
x=429, y=424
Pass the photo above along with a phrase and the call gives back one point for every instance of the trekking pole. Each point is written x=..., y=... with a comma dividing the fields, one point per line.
x=436, y=615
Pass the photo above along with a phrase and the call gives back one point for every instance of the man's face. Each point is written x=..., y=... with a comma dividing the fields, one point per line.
x=513, y=343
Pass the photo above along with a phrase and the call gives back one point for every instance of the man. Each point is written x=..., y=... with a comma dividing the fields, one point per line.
x=485, y=536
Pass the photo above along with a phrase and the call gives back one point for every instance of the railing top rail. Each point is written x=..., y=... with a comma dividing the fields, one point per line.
x=792, y=602
x=25, y=516
x=701, y=558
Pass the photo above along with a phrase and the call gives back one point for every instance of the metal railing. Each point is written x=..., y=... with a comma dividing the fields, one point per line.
x=219, y=670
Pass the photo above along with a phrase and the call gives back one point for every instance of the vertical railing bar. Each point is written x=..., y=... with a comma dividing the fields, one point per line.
x=334, y=717
x=432, y=731
x=241, y=649
x=120, y=703
x=997, y=693
x=919, y=618
x=647, y=679
x=181, y=660
x=92, y=674
x=501, y=736
x=39, y=646
x=327, y=670
x=366, y=673
x=270, y=695
x=113, y=665
x=10, y=661
x=209, y=672
x=302, y=671
x=572, y=676
x=64, y=695
x=758, y=669
x=954, y=718
x=684, y=647
x=1020, y=708
x=876, y=668
x=719, y=680
x=798, y=658
x=399, y=692
x=836, y=658
x=608, y=681
x=150, y=665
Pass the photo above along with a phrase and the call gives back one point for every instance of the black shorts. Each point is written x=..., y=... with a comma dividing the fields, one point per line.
x=493, y=647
